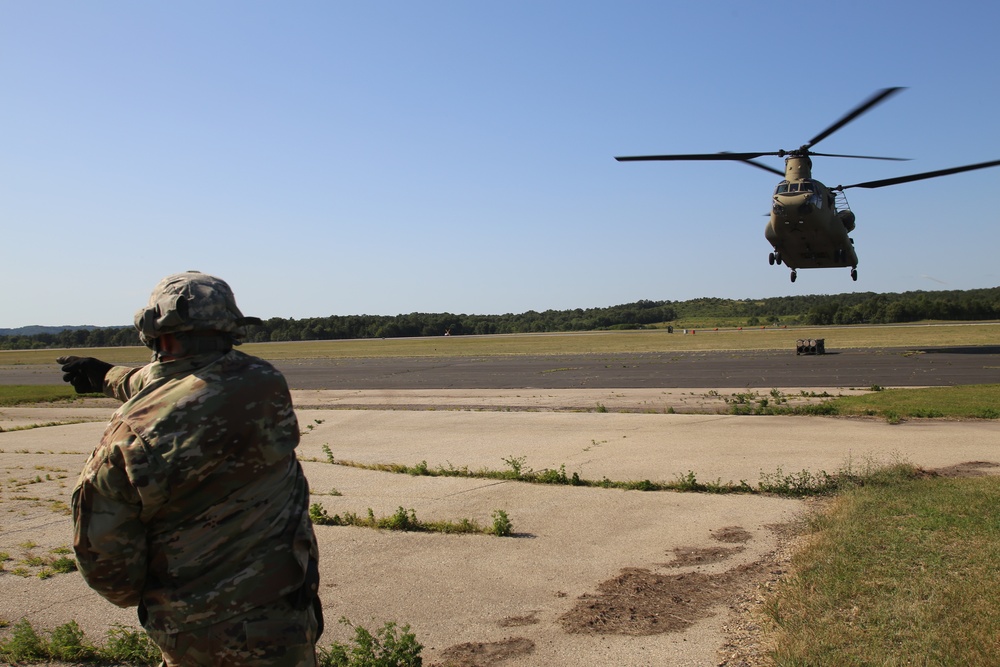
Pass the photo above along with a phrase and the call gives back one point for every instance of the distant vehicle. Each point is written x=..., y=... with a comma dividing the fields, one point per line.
x=810, y=222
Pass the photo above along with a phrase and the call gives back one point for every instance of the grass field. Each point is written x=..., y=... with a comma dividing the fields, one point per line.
x=900, y=574
x=598, y=342
x=17, y=394
x=960, y=402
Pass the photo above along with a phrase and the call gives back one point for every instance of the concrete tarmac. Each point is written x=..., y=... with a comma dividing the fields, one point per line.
x=562, y=590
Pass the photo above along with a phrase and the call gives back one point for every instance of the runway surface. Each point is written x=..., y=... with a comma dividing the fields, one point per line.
x=848, y=368
x=887, y=367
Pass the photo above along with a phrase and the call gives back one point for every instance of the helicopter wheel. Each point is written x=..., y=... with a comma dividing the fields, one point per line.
x=794, y=275
x=854, y=274
x=770, y=259
x=777, y=258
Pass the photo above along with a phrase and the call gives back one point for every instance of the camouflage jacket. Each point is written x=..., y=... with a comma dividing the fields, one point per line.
x=194, y=505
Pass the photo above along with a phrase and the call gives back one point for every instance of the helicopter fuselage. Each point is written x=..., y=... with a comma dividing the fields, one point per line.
x=806, y=229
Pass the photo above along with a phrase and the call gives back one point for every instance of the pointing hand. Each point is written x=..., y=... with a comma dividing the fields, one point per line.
x=86, y=374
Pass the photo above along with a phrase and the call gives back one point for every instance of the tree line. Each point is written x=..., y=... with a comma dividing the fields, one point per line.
x=851, y=308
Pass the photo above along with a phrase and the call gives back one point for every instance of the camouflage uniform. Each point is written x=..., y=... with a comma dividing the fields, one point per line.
x=195, y=508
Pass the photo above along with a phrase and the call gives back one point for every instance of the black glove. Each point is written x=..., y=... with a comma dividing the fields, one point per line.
x=86, y=374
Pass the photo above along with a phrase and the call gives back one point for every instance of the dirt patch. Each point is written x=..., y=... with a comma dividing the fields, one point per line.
x=518, y=621
x=687, y=556
x=731, y=535
x=485, y=654
x=969, y=469
x=747, y=626
x=641, y=602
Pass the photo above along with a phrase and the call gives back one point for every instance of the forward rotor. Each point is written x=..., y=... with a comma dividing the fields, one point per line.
x=802, y=151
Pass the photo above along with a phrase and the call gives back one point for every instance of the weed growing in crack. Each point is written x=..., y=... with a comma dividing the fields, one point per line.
x=803, y=483
x=406, y=520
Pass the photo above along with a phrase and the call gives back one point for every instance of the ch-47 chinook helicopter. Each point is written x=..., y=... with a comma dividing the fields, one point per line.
x=810, y=222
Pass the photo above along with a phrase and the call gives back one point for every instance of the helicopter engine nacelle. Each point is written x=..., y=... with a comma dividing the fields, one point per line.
x=847, y=219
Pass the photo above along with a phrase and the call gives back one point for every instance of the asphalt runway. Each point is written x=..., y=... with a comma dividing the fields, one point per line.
x=887, y=367
x=769, y=369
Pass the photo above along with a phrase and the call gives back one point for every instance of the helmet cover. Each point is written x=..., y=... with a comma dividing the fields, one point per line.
x=191, y=302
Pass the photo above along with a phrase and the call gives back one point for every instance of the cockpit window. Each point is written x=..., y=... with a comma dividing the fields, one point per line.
x=785, y=187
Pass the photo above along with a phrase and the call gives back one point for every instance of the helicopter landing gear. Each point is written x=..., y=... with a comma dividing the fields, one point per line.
x=854, y=274
x=794, y=275
x=770, y=259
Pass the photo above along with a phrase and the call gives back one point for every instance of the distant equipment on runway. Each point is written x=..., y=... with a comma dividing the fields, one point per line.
x=810, y=346
x=810, y=222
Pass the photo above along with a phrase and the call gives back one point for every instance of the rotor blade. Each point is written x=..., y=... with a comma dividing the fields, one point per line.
x=919, y=177
x=764, y=167
x=862, y=157
x=694, y=156
x=878, y=97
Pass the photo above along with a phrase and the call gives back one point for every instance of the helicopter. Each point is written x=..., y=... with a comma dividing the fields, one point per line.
x=809, y=222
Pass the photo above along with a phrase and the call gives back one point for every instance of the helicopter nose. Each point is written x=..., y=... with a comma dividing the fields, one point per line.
x=796, y=206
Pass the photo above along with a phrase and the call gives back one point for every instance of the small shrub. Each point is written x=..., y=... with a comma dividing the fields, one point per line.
x=67, y=643
x=687, y=482
x=386, y=648
x=553, y=476
x=502, y=526
x=642, y=485
x=319, y=516
x=130, y=646
x=24, y=644
x=63, y=565
x=516, y=465
x=401, y=520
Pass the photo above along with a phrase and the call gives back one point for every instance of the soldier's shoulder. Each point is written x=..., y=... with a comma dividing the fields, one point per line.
x=252, y=370
x=242, y=359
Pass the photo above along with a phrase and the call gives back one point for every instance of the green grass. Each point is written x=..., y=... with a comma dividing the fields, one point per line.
x=797, y=484
x=17, y=394
x=404, y=520
x=957, y=402
x=388, y=647
x=67, y=643
x=961, y=402
x=391, y=646
x=913, y=336
x=897, y=574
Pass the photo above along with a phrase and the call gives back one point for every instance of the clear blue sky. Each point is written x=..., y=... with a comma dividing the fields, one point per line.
x=338, y=158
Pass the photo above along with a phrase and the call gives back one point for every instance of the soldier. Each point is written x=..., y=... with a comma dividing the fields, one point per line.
x=194, y=506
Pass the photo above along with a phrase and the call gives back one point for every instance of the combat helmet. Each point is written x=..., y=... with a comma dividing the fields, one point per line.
x=195, y=307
